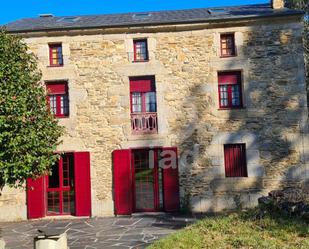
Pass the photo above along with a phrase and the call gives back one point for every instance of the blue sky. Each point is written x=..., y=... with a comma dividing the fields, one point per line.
x=15, y=9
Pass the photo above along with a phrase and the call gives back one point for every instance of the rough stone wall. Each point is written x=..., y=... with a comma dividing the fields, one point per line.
x=273, y=122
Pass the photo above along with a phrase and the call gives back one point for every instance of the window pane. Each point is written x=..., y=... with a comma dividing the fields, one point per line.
x=151, y=103
x=223, y=95
x=136, y=102
x=56, y=55
x=140, y=50
x=227, y=45
x=235, y=95
x=64, y=102
x=66, y=170
x=59, y=55
x=53, y=203
x=52, y=104
x=67, y=167
x=53, y=179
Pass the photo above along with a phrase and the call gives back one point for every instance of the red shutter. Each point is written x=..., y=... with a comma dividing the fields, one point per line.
x=57, y=88
x=235, y=160
x=122, y=182
x=82, y=183
x=146, y=84
x=229, y=78
x=36, y=201
x=171, y=183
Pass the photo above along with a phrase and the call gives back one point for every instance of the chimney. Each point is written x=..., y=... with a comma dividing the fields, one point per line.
x=277, y=4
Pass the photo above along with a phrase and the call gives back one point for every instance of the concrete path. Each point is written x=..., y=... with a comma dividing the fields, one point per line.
x=97, y=233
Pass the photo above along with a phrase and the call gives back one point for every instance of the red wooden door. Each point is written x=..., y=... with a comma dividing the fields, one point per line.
x=122, y=182
x=82, y=183
x=170, y=180
x=36, y=205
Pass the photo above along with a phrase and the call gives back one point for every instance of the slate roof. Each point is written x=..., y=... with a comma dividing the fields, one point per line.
x=147, y=18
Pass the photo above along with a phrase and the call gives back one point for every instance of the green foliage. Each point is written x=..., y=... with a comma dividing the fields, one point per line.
x=28, y=132
x=240, y=230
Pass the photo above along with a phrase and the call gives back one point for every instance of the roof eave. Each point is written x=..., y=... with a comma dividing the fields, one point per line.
x=204, y=20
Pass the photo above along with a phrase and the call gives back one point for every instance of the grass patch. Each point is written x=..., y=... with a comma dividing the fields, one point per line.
x=240, y=230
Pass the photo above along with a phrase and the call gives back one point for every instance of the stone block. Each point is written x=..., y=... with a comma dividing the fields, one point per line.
x=253, y=156
x=202, y=204
x=249, y=200
x=224, y=203
x=235, y=184
x=217, y=161
x=2, y=244
x=255, y=170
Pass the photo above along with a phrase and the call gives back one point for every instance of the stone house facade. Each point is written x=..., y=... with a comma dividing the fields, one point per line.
x=199, y=110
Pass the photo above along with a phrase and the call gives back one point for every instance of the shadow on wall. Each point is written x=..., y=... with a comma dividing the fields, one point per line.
x=273, y=124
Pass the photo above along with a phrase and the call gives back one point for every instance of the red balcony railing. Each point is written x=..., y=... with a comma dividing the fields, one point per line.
x=144, y=123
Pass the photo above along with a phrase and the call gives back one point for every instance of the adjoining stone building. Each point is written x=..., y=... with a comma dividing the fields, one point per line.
x=199, y=110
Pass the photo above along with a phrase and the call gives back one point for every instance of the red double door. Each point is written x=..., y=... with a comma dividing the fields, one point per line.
x=145, y=180
x=66, y=191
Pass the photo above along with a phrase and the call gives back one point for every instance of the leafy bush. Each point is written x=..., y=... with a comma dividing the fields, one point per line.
x=28, y=132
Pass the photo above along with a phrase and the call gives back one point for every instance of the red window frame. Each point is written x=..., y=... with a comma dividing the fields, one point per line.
x=142, y=87
x=227, y=45
x=235, y=160
x=65, y=185
x=139, y=55
x=58, y=99
x=55, y=55
x=230, y=90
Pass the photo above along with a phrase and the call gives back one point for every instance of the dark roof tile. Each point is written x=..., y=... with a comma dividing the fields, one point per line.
x=155, y=17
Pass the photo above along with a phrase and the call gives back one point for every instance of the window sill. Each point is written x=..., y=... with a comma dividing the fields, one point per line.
x=145, y=137
x=231, y=108
x=55, y=66
x=139, y=61
x=144, y=133
x=227, y=56
x=62, y=117
x=236, y=177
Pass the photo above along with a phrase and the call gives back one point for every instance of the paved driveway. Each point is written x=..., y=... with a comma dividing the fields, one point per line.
x=96, y=233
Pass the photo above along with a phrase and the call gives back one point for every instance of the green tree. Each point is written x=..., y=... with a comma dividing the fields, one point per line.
x=28, y=132
x=303, y=5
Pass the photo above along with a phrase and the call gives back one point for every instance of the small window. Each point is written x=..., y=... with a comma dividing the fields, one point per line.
x=140, y=50
x=227, y=45
x=235, y=160
x=211, y=11
x=230, y=93
x=69, y=19
x=141, y=16
x=55, y=55
x=58, y=99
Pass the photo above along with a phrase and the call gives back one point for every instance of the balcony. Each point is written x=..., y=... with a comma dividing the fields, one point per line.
x=144, y=123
